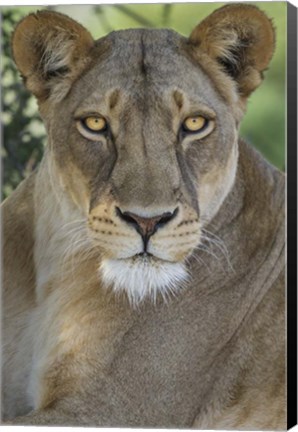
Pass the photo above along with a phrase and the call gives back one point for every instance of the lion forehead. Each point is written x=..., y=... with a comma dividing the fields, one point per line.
x=144, y=64
x=128, y=58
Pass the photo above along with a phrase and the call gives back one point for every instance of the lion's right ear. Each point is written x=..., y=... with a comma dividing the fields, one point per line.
x=50, y=50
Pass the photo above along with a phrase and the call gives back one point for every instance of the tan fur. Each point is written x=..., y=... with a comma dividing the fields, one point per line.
x=195, y=338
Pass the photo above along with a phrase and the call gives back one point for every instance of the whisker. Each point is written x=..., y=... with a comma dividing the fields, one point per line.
x=199, y=260
x=205, y=248
x=218, y=243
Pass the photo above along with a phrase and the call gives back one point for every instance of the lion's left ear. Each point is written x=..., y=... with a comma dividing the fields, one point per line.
x=50, y=50
x=241, y=39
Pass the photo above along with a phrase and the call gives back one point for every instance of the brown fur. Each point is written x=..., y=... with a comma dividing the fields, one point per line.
x=78, y=353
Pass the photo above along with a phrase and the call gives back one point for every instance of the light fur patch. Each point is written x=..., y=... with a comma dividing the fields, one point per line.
x=141, y=279
x=216, y=185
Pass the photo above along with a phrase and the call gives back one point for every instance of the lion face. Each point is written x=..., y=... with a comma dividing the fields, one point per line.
x=144, y=139
x=151, y=180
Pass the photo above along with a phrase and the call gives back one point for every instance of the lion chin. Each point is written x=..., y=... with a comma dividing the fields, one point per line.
x=143, y=277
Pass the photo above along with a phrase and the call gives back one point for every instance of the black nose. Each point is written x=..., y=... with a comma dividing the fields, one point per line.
x=146, y=227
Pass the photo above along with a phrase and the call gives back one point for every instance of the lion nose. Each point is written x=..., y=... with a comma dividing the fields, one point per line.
x=146, y=226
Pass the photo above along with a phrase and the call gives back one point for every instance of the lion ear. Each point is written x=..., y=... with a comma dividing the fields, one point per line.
x=241, y=39
x=50, y=50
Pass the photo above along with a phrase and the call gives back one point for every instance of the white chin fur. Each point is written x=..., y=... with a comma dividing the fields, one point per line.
x=142, y=279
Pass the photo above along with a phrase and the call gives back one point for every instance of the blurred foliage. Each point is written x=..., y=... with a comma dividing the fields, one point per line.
x=24, y=135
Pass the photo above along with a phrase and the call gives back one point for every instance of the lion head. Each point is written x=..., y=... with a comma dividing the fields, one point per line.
x=142, y=133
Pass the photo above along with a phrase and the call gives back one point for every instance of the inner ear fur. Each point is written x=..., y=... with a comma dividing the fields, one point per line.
x=241, y=39
x=50, y=50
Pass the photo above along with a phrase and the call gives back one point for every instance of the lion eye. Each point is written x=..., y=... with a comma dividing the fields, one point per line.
x=94, y=124
x=194, y=124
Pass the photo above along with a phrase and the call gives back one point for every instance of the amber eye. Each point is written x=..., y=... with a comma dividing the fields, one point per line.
x=94, y=124
x=194, y=124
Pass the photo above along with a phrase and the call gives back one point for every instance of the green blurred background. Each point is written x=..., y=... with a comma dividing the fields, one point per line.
x=23, y=132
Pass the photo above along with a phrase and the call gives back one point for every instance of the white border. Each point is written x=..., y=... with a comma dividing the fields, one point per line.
x=94, y=2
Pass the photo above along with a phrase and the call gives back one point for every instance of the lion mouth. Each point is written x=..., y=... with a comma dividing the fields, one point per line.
x=144, y=255
x=147, y=257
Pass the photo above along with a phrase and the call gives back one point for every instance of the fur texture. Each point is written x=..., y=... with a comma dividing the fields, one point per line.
x=144, y=265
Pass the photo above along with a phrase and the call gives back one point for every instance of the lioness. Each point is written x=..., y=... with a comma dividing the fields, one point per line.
x=144, y=268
